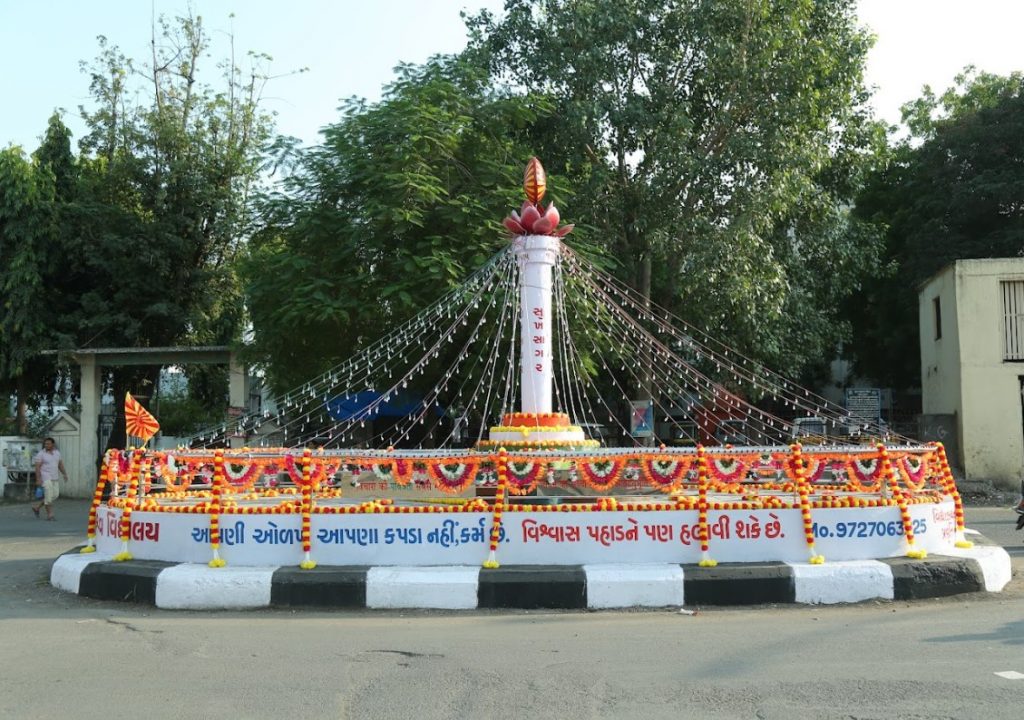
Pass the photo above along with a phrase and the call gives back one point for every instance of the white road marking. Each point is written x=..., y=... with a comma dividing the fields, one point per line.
x=1011, y=675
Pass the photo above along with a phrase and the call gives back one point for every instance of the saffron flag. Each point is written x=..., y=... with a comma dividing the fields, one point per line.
x=138, y=420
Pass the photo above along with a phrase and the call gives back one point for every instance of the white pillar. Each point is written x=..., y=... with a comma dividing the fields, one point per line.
x=89, y=426
x=537, y=255
x=238, y=398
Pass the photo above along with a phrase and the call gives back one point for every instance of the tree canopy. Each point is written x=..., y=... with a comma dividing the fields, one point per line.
x=712, y=146
x=141, y=229
x=401, y=201
x=26, y=231
x=952, y=189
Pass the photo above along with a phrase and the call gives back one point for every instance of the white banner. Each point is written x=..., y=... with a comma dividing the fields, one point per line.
x=547, y=538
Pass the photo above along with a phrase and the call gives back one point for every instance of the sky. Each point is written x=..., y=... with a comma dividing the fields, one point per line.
x=352, y=47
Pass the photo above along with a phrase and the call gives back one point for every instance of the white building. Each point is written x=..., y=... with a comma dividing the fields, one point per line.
x=972, y=363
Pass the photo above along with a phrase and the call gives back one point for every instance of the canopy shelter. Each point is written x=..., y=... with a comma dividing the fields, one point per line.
x=370, y=403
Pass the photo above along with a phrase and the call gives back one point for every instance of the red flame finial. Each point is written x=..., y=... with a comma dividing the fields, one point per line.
x=533, y=218
x=535, y=180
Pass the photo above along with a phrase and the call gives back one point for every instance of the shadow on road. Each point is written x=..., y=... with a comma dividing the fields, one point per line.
x=1008, y=634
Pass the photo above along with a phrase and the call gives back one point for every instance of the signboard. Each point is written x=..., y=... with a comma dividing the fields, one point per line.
x=641, y=418
x=864, y=404
x=530, y=538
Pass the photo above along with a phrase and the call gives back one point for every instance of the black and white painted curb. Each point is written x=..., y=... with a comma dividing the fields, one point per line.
x=191, y=586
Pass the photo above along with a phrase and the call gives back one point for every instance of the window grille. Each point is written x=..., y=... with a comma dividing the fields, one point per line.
x=1013, y=320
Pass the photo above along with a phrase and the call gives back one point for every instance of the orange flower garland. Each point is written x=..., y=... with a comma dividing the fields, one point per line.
x=499, y=506
x=889, y=476
x=915, y=478
x=215, y=508
x=669, y=471
x=950, y=487
x=452, y=477
x=601, y=475
x=307, y=503
x=702, y=508
x=523, y=475
x=665, y=473
x=727, y=469
x=858, y=478
x=130, y=502
x=805, y=507
x=97, y=498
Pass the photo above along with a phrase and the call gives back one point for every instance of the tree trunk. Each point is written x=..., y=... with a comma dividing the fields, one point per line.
x=645, y=389
x=21, y=417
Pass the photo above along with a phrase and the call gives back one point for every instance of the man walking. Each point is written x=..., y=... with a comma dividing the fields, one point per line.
x=48, y=465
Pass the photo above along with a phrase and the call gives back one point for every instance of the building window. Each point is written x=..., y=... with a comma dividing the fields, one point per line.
x=1013, y=320
x=937, y=317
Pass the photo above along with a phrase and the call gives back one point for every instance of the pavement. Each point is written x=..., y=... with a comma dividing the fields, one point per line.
x=985, y=568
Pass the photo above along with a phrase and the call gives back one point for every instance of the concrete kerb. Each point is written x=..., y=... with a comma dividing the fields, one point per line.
x=193, y=586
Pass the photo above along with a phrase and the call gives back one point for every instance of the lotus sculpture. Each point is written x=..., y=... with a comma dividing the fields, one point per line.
x=533, y=218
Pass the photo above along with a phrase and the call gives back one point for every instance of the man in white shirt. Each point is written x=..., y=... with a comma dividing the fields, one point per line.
x=48, y=465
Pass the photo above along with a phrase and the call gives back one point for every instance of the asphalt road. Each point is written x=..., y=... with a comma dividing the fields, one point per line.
x=62, y=656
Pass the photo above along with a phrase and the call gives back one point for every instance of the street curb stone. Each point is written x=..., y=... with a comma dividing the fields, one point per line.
x=568, y=587
x=940, y=577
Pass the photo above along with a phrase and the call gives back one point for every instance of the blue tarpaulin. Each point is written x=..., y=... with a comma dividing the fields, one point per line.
x=357, y=406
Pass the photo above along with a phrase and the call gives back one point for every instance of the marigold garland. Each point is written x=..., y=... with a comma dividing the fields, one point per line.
x=523, y=475
x=214, y=509
x=864, y=476
x=889, y=476
x=403, y=472
x=601, y=475
x=914, y=471
x=702, y=508
x=665, y=474
x=97, y=498
x=805, y=506
x=727, y=469
x=499, y=506
x=244, y=480
x=905, y=477
x=453, y=477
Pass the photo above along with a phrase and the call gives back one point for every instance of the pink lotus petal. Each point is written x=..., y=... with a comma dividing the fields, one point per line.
x=514, y=226
x=552, y=215
x=515, y=216
x=564, y=230
x=543, y=226
x=530, y=216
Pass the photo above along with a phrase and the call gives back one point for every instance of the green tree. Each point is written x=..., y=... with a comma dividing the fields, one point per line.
x=54, y=155
x=402, y=200
x=712, y=146
x=952, y=189
x=135, y=242
x=169, y=163
x=26, y=200
x=166, y=183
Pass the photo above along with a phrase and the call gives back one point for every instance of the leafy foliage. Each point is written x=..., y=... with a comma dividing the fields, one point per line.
x=141, y=231
x=953, y=189
x=26, y=229
x=163, y=203
x=711, y=145
x=401, y=201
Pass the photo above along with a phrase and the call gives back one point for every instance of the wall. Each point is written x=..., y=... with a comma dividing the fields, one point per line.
x=964, y=373
x=940, y=358
x=992, y=422
x=66, y=432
